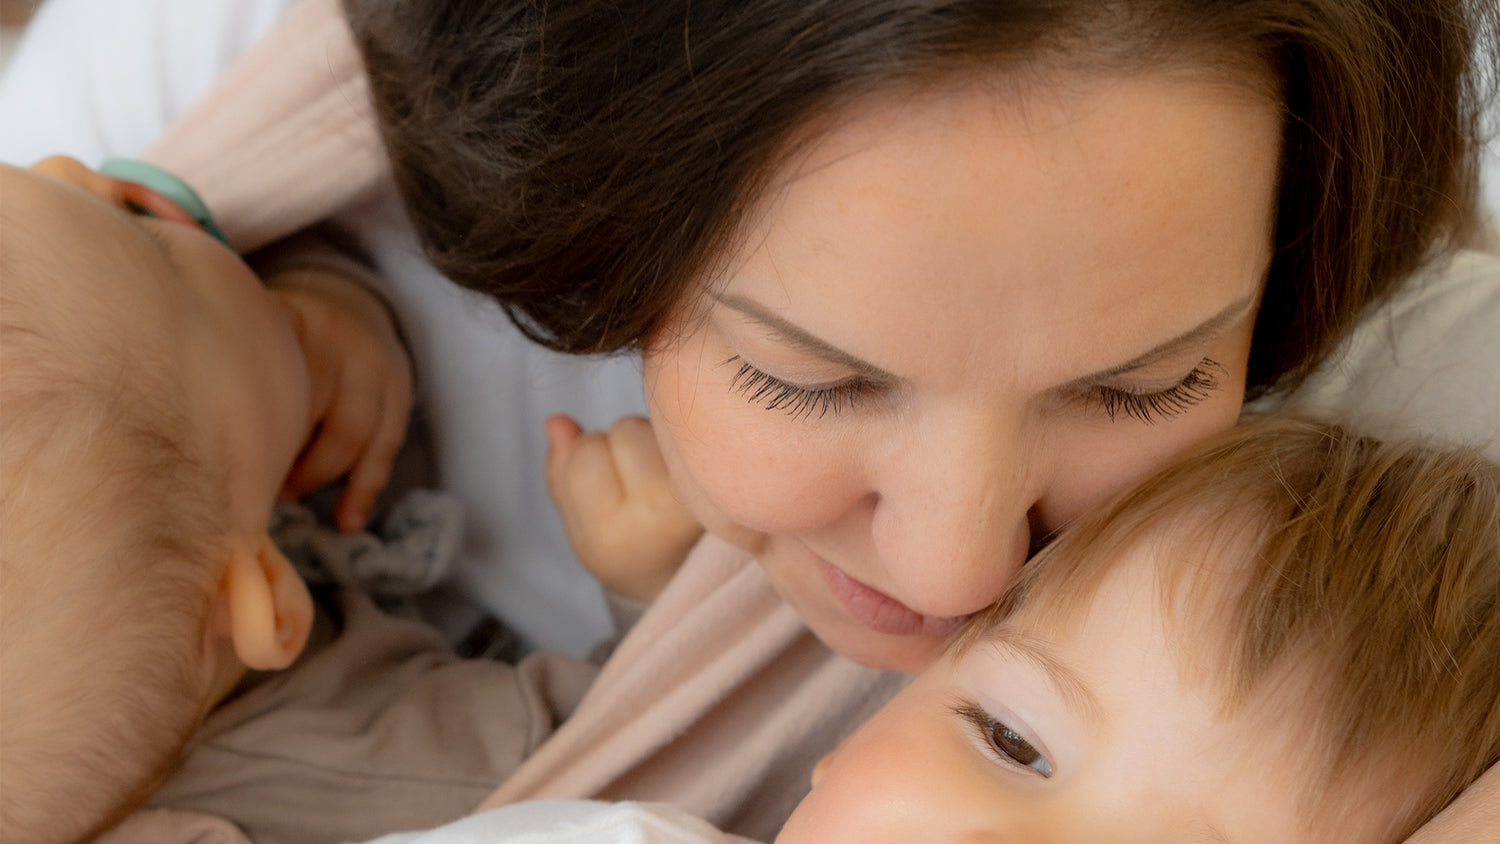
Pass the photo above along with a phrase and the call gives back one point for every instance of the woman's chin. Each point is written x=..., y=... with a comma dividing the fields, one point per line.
x=799, y=578
x=881, y=651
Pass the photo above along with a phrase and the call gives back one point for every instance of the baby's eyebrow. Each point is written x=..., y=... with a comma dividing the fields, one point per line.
x=1070, y=684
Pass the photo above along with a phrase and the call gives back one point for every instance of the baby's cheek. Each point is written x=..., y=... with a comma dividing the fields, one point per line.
x=871, y=789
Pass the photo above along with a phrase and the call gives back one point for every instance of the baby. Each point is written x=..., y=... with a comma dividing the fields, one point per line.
x=1290, y=635
x=155, y=400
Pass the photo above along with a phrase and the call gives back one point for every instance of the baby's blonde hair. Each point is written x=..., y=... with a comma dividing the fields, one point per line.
x=1372, y=580
x=104, y=568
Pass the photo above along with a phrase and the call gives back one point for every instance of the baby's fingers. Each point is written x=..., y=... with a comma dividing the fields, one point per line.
x=637, y=455
x=647, y=483
x=373, y=469
x=326, y=458
x=342, y=435
x=562, y=433
x=591, y=488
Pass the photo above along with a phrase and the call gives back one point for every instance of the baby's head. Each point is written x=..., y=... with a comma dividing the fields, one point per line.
x=153, y=396
x=1293, y=635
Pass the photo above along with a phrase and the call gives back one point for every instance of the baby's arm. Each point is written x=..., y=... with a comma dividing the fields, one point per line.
x=361, y=379
x=625, y=521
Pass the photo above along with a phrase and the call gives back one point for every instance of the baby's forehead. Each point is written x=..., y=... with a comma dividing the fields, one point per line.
x=1154, y=621
x=1189, y=565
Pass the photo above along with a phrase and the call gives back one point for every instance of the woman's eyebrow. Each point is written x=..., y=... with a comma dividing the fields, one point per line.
x=1193, y=336
x=801, y=339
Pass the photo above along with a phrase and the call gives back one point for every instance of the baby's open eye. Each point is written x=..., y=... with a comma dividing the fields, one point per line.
x=1005, y=740
x=1006, y=743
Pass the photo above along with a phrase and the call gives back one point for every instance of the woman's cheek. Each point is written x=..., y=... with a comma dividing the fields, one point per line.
x=745, y=471
x=1098, y=462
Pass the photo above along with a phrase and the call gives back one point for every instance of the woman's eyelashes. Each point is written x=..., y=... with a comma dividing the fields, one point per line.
x=804, y=402
x=1150, y=407
x=797, y=401
x=1006, y=744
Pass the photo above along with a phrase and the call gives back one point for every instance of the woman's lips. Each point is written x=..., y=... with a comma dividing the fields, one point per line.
x=879, y=611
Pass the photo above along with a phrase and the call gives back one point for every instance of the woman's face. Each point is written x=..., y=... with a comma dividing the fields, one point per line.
x=957, y=321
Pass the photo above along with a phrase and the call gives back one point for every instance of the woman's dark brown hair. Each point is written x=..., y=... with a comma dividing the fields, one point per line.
x=586, y=162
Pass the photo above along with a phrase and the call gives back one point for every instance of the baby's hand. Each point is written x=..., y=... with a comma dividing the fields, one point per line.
x=624, y=520
x=361, y=388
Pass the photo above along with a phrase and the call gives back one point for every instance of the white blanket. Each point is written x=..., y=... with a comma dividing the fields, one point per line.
x=572, y=822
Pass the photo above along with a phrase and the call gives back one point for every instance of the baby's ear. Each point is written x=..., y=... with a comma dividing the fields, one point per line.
x=263, y=607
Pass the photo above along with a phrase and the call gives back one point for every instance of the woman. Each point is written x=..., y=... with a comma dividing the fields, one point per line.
x=983, y=263
x=972, y=266
x=912, y=287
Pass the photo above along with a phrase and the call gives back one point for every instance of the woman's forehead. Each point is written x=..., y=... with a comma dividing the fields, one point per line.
x=1128, y=211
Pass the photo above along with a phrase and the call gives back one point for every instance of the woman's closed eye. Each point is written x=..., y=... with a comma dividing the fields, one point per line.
x=798, y=401
x=1008, y=746
x=1153, y=406
x=806, y=401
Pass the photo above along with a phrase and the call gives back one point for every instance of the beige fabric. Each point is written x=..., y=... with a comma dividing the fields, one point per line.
x=167, y=826
x=379, y=728
x=288, y=138
x=719, y=701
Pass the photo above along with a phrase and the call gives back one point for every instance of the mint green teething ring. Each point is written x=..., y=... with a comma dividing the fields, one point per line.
x=168, y=186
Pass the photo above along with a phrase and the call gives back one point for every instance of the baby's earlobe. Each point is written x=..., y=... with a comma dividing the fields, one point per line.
x=269, y=611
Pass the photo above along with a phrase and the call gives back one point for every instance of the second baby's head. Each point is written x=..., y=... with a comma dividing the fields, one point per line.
x=154, y=396
x=1293, y=635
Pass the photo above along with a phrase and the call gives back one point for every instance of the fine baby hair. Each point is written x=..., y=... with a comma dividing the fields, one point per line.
x=138, y=578
x=1363, y=577
x=107, y=479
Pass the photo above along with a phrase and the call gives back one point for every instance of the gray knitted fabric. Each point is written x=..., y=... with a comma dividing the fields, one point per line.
x=412, y=549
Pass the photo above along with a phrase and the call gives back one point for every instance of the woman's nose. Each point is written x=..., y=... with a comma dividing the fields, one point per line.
x=950, y=522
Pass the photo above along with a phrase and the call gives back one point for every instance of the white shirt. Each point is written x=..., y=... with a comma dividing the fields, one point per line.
x=572, y=822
